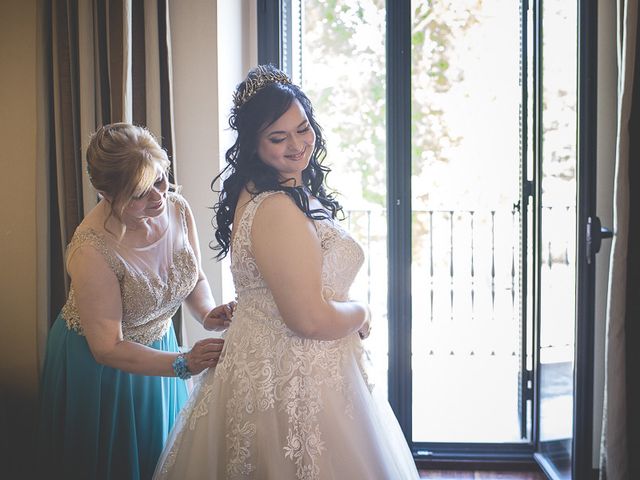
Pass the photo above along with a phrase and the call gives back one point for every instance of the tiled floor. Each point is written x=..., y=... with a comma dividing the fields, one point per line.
x=481, y=475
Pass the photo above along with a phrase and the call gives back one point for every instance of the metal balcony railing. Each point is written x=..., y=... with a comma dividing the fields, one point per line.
x=465, y=263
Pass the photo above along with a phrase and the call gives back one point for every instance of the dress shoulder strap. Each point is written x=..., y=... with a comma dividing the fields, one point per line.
x=243, y=234
x=174, y=198
x=89, y=236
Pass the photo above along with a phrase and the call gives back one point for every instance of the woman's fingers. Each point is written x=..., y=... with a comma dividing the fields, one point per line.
x=220, y=316
x=204, y=354
x=208, y=341
x=225, y=311
x=210, y=345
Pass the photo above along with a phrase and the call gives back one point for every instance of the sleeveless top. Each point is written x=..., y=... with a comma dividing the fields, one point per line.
x=268, y=367
x=154, y=279
x=342, y=255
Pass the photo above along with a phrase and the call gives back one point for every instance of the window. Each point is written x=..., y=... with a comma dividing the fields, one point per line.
x=452, y=135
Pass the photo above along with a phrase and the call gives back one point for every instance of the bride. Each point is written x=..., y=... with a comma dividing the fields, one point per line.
x=289, y=398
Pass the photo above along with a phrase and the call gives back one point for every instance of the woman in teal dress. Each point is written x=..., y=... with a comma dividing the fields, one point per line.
x=113, y=379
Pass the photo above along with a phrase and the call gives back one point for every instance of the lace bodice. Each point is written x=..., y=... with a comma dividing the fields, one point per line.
x=275, y=367
x=154, y=280
x=342, y=255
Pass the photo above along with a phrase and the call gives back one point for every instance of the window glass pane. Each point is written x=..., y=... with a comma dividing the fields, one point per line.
x=558, y=231
x=466, y=98
x=339, y=59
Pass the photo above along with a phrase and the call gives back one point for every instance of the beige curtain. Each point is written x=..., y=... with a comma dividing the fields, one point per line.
x=619, y=449
x=109, y=61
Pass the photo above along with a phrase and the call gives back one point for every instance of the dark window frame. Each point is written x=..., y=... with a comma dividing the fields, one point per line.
x=270, y=50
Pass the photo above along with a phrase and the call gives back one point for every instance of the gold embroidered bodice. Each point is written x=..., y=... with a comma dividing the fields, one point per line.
x=154, y=280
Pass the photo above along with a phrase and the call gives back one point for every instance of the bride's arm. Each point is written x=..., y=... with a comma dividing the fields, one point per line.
x=288, y=254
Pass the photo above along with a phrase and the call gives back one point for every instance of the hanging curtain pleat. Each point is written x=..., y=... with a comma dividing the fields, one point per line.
x=86, y=56
x=101, y=63
x=166, y=87
x=152, y=68
x=619, y=443
x=632, y=311
x=65, y=163
x=138, y=64
x=116, y=56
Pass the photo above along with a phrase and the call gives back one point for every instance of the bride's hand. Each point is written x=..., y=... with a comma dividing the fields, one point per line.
x=365, y=329
x=220, y=317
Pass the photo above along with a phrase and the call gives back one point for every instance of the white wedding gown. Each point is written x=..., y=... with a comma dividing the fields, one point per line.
x=279, y=406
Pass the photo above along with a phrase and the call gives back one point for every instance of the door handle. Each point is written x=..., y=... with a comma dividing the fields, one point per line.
x=595, y=234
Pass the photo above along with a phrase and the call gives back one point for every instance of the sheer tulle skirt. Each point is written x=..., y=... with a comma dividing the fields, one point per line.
x=353, y=435
x=98, y=422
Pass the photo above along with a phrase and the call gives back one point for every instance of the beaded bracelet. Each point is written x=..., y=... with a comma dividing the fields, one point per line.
x=180, y=367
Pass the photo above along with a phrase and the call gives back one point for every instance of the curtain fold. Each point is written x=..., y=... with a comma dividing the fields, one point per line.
x=111, y=62
x=166, y=83
x=65, y=167
x=619, y=443
x=632, y=317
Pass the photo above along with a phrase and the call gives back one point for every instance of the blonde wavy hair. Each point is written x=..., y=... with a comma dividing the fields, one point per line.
x=121, y=162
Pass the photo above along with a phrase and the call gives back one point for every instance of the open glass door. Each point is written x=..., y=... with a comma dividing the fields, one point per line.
x=565, y=209
x=557, y=233
x=486, y=253
x=466, y=241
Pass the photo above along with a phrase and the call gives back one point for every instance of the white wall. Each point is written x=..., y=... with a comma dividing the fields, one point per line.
x=213, y=45
x=237, y=27
x=18, y=229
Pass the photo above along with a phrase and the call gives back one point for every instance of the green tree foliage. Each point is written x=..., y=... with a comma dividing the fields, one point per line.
x=344, y=65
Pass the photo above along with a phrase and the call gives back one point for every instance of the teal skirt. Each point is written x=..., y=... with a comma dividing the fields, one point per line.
x=98, y=422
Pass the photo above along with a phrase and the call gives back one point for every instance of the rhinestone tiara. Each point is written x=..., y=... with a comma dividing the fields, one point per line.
x=257, y=79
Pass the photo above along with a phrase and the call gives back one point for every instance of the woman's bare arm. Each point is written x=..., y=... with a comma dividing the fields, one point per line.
x=100, y=308
x=289, y=256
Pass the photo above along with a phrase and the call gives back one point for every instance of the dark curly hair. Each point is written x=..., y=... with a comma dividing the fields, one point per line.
x=249, y=117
